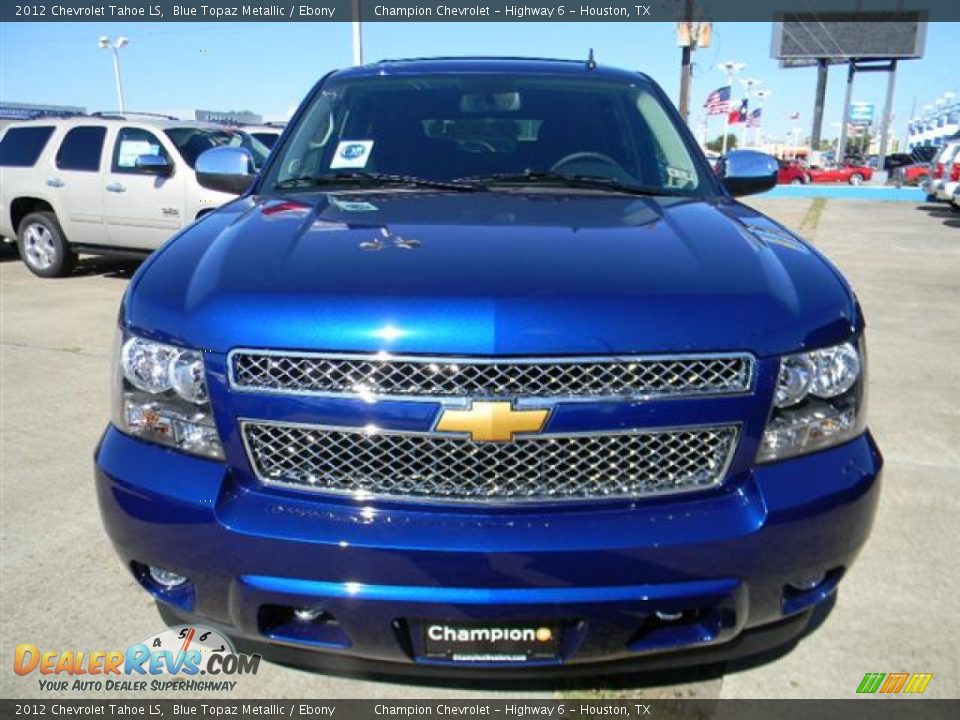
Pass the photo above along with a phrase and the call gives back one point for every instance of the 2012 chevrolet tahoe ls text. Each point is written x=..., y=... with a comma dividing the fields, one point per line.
x=486, y=371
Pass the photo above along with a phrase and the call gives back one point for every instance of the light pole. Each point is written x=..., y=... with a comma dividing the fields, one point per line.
x=761, y=96
x=120, y=42
x=731, y=68
x=747, y=84
x=357, y=35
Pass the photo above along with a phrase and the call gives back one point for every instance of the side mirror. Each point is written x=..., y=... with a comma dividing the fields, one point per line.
x=153, y=165
x=225, y=169
x=745, y=172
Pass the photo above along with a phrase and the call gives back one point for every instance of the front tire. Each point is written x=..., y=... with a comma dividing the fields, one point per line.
x=856, y=179
x=44, y=247
x=796, y=181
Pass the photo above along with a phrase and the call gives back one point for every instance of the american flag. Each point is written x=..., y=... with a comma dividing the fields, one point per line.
x=739, y=115
x=754, y=120
x=718, y=102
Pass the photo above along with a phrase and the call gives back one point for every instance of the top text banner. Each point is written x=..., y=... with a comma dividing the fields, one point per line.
x=451, y=10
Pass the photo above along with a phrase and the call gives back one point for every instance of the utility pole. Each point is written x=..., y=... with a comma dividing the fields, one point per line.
x=357, y=35
x=686, y=50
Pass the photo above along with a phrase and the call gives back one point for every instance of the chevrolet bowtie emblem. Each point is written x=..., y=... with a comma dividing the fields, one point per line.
x=492, y=421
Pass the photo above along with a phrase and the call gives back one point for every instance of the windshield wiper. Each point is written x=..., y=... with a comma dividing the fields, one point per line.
x=552, y=177
x=373, y=178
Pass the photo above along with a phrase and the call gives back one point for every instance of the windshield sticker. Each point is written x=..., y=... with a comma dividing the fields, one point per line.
x=352, y=154
x=353, y=206
x=679, y=177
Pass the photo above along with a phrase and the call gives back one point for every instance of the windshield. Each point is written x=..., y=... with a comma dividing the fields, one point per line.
x=192, y=141
x=508, y=129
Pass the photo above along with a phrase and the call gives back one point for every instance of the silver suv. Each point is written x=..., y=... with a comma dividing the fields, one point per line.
x=105, y=184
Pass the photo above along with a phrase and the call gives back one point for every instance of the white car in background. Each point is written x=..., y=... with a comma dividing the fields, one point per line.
x=944, y=173
x=268, y=133
x=105, y=184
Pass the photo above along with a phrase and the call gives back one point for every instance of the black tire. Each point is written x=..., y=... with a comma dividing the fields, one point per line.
x=44, y=247
x=856, y=179
x=796, y=181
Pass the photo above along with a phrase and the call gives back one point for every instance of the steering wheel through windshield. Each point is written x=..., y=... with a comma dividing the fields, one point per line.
x=590, y=158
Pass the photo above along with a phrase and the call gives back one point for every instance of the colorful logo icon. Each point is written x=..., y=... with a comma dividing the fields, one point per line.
x=894, y=683
x=171, y=659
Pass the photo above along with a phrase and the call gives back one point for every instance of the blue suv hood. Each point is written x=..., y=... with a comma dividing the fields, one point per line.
x=490, y=273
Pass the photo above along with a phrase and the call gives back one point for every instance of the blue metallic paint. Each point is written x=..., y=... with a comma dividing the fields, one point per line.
x=370, y=565
x=494, y=274
x=490, y=274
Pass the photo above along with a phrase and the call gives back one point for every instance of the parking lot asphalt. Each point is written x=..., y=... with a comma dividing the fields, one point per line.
x=62, y=588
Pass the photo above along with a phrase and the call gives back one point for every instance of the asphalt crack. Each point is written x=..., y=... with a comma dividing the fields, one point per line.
x=47, y=348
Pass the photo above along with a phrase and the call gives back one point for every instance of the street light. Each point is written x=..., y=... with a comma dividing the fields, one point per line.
x=731, y=68
x=106, y=44
x=761, y=95
x=747, y=84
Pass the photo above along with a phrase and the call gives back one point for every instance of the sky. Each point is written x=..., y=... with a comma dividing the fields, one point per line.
x=269, y=67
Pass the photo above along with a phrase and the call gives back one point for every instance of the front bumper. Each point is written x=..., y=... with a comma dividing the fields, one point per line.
x=945, y=191
x=723, y=557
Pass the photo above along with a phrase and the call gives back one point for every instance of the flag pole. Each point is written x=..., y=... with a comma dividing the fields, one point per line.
x=731, y=68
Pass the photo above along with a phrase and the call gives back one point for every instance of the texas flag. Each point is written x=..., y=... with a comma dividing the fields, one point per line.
x=754, y=119
x=739, y=115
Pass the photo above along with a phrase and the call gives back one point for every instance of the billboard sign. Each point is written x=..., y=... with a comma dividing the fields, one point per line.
x=800, y=39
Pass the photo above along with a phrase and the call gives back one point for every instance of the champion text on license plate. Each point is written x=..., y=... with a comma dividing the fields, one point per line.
x=491, y=642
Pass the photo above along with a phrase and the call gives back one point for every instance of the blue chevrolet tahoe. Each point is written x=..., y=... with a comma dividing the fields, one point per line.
x=487, y=371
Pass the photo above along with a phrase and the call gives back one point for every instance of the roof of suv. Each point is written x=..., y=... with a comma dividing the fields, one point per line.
x=158, y=121
x=505, y=65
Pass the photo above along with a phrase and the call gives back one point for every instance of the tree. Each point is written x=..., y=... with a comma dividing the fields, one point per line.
x=717, y=144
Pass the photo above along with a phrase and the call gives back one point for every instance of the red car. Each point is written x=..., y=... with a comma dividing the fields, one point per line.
x=912, y=174
x=852, y=174
x=790, y=173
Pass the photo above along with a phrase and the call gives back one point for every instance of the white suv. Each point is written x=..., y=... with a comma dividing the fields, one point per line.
x=104, y=184
x=944, y=173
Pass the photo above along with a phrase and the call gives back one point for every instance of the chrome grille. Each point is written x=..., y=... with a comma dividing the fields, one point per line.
x=533, y=468
x=590, y=378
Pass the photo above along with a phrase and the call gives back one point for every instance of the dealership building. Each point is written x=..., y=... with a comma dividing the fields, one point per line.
x=934, y=128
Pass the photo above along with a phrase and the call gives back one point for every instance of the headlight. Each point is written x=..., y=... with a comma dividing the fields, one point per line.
x=820, y=401
x=160, y=394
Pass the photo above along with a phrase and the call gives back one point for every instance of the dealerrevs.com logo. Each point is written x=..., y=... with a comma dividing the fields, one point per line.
x=174, y=659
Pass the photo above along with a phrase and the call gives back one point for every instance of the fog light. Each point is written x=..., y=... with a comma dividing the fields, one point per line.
x=166, y=578
x=668, y=617
x=809, y=582
x=307, y=614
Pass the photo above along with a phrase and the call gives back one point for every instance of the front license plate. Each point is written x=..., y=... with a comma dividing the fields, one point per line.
x=491, y=641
